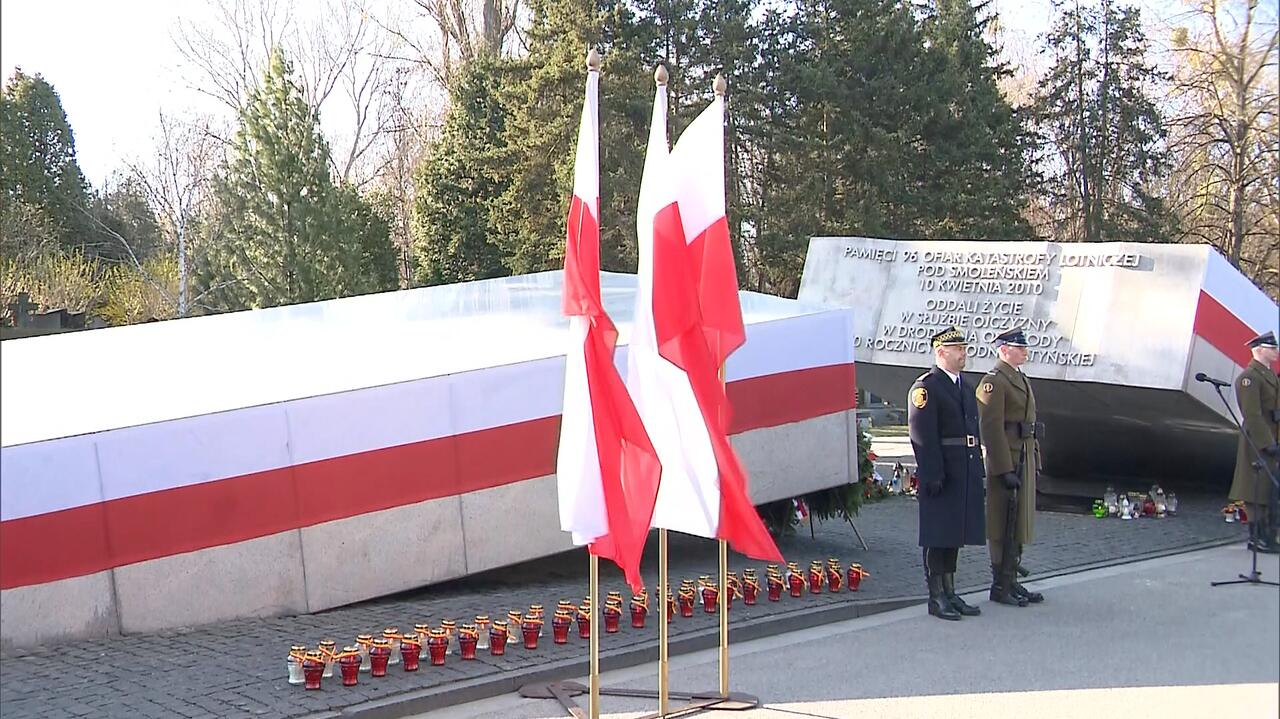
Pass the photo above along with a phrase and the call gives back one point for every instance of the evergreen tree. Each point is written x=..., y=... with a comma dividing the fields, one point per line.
x=287, y=235
x=125, y=227
x=1102, y=129
x=458, y=183
x=377, y=261
x=843, y=145
x=39, y=175
x=979, y=170
x=729, y=45
x=545, y=104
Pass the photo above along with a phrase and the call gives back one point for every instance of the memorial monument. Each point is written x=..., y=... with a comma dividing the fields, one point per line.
x=1117, y=331
x=298, y=458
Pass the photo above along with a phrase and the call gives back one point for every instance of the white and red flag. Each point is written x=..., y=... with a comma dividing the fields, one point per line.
x=607, y=470
x=687, y=322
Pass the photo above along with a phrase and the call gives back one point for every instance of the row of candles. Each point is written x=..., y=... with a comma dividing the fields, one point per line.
x=1132, y=505
x=372, y=654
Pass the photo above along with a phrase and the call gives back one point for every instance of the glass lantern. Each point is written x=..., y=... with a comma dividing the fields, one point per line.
x=1124, y=507
x=1171, y=503
x=1109, y=499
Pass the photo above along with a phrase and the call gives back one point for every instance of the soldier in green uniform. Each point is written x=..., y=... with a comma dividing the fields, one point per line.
x=1010, y=435
x=1258, y=395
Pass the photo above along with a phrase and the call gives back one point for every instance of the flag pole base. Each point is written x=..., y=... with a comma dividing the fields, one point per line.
x=695, y=702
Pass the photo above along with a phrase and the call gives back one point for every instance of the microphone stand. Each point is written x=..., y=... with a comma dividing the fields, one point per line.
x=1259, y=466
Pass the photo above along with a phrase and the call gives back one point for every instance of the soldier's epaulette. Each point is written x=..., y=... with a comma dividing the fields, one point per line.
x=921, y=377
x=993, y=371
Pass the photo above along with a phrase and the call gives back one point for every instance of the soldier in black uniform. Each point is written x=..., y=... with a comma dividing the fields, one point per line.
x=942, y=415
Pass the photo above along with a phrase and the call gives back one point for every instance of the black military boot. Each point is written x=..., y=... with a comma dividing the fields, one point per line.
x=949, y=589
x=938, y=604
x=1258, y=536
x=1001, y=590
x=1021, y=591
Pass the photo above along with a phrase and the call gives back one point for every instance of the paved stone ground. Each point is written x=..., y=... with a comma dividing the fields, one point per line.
x=237, y=668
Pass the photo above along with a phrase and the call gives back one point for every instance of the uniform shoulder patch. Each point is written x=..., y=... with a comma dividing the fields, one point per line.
x=988, y=387
x=1245, y=382
x=919, y=397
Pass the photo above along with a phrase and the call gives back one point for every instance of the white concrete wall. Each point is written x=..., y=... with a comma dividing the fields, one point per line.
x=512, y=523
x=258, y=578
x=1210, y=360
x=378, y=553
x=798, y=458
x=75, y=608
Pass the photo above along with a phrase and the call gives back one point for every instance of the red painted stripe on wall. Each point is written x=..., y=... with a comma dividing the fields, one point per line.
x=1218, y=326
x=93, y=538
x=772, y=400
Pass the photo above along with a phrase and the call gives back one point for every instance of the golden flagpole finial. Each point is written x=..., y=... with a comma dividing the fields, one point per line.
x=593, y=60
x=720, y=85
x=660, y=75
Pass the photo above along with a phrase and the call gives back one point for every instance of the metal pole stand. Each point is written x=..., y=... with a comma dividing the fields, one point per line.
x=721, y=700
x=856, y=533
x=1254, y=576
x=564, y=692
x=1259, y=468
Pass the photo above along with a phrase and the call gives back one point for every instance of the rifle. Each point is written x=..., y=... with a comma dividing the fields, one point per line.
x=1009, y=555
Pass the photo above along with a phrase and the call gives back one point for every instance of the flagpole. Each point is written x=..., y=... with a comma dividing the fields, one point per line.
x=724, y=618
x=664, y=688
x=664, y=665
x=720, y=87
x=595, y=637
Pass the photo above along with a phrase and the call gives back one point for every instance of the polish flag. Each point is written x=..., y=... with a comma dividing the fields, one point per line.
x=607, y=471
x=684, y=327
x=699, y=172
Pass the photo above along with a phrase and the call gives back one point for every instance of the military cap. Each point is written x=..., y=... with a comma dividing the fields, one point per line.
x=1266, y=339
x=1013, y=337
x=949, y=336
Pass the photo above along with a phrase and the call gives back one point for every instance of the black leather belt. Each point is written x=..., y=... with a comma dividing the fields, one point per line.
x=966, y=441
x=1026, y=430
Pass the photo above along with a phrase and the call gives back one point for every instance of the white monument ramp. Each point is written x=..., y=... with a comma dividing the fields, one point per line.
x=187, y=471
x=1118, y=332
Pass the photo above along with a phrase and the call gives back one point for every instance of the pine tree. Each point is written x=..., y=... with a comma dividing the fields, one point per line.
x=39, y=177
x=458, y=183
x=288, y=235
x=979, y=170
x=539, y=136
x=843, y=143
x=377, y=261
x=1102, y=130
x=125, y=225
x=541, y=133
x=729, y=46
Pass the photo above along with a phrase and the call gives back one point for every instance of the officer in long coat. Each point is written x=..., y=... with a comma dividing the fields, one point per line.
x=1258, y=396
x=1011, y=437
x=942, y=416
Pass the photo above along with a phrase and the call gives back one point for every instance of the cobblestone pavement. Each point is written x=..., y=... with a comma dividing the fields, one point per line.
x=236, y=669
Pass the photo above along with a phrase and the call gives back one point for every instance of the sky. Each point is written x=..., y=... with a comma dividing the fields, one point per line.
x=115, y=66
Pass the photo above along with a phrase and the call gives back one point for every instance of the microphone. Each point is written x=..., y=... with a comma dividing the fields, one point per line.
x=1202, y=377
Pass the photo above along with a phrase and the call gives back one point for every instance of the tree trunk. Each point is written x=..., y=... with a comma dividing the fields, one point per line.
x=1237, y=192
